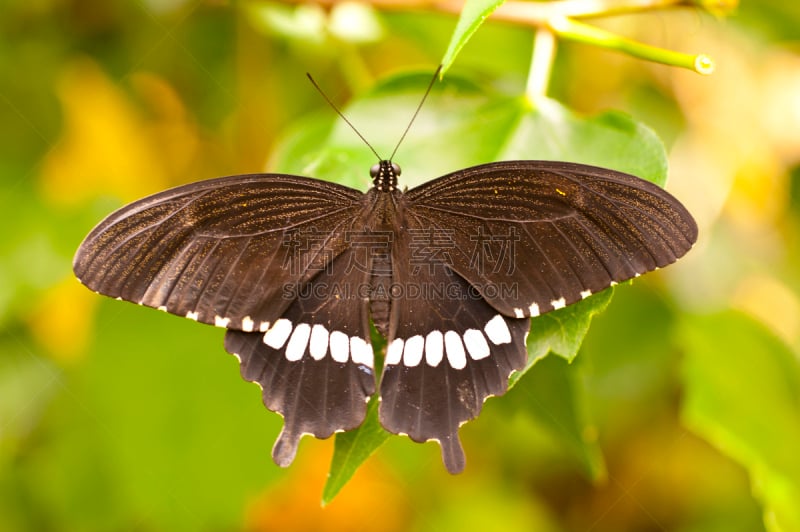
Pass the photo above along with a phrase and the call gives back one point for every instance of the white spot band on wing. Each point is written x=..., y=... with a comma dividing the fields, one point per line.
x=298, y=342
x=476, y=344
x=278, y=333
x=497, y=330
x=456, y=356
x=318, y=346
x=413, y=351
x=434, y=348
x=340, y=346
x=394, y=353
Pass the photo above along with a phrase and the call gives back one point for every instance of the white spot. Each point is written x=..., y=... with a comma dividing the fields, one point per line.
x=247, y=324
x=278, y=334
x=497, y=330
x=239, y=358
x=533, y=310
x=394, y=353
x=434, y=348
x=298, y=343
x=455, y=350
x=613, y=283
x=221, y=322
x=340, y=346
x=559, y=303
x=519, y=313
x=637, y=274
x=476, y=344
x=263, y=326
x=361, y=352
x=192, y=315
x=412, y=353
x=585, y=294
x=319, y=342
x=162, y=308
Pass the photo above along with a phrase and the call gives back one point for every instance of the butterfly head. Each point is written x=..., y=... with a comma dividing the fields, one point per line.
x=384, y=175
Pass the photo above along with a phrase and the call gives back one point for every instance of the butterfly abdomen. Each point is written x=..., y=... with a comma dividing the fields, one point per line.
x=382, y=239
x=380, y=288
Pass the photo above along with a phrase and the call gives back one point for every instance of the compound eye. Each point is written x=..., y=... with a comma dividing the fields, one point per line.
x=396, y=169
x=375, y=170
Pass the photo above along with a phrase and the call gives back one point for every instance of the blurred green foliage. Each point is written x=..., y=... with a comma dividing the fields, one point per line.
x=679, y=412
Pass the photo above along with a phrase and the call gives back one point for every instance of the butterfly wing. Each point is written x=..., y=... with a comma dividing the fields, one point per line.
x=221, y=251
x=448, y=350
x=440, y=369
x=534, y=236
x=259, y=255
x=315, y=366
x=504, y=242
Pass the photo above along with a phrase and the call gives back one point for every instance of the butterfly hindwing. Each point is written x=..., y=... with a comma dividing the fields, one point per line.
x=315, y=366
x=219, y=251
x=534, y=236
x=448, y=350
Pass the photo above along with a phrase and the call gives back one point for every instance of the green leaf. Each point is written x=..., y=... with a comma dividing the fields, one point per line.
x=562, y=331
x=472, y=15
x=743, y=395
x=352, y=449
x=613, y=140
x=555, y=397
x=460, y=126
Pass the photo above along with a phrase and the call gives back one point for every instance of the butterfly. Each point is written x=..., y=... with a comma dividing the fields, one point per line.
x=450, y=273
x=299, y=271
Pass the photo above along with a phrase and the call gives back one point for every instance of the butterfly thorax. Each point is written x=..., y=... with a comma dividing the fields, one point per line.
x=384, y=176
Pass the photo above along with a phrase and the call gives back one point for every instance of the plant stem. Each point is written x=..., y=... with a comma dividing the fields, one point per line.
x=544, y=51
x=580, y=32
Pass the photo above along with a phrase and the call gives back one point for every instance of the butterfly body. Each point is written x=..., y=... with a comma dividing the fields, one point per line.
x=449, y=272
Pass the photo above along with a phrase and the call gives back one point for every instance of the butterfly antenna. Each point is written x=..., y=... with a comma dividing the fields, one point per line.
x=424, y=97
x=342, y=115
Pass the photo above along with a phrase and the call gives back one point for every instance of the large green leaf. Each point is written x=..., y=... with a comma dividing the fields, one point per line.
x=743, y=395
x=613, y=140
x=462, y=125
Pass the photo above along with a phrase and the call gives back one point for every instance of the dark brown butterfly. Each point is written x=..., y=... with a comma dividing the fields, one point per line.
x=450, y=273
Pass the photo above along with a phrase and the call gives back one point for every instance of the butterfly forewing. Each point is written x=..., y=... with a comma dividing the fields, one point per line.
x=220, y=251
x=534, y=236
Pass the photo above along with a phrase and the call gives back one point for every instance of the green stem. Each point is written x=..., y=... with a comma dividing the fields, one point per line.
x=577, y=31
x=544, y=51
